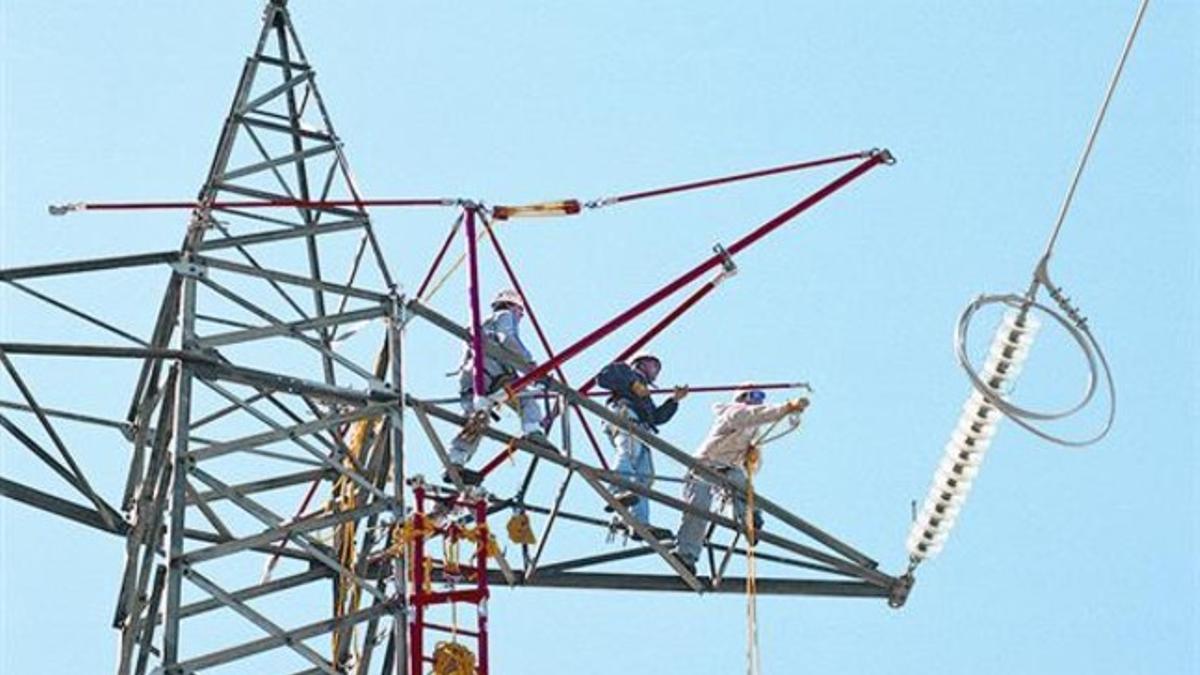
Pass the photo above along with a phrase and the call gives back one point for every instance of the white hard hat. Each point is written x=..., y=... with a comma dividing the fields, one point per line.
x=508, y=297
x=646, y=356
x=748, y=393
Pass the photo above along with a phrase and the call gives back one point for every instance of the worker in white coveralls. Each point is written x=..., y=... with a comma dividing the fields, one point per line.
x=502, y=328
x=629, y=397
x=724, y=451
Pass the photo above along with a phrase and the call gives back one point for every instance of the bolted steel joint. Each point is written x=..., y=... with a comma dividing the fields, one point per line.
x=898, y=593
x=885, y=156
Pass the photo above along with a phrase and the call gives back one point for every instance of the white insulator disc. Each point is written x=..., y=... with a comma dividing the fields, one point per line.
x=932, y=535
x=937, y=522
x=1032, y=323
x=958, y=445
x=919, y=536
x=1014, y=338
x=930, y=551
x=960, y=487
x=946, y=517
x=1015, y=333
x=975, y=429
x=976, y=402
x=961, y=441
x=969, y=419
x=967, y=454
x=992, y=368
x=971, y=459
x=936, y=508
x=954, y=468
x=944, y=500
x=915, y=543
x=1003, y=350
x=925, y=515
x=979, y=410
x=917, y=551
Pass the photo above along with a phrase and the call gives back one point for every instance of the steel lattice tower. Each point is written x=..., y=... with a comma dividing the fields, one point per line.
x=244, y=407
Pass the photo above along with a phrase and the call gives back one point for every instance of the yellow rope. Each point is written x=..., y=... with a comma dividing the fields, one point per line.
x=451, y=566
x=753, y=666
x=462, y=257
x=345, y=494
x=752, y=463
x=345, y=497
x=476, y=535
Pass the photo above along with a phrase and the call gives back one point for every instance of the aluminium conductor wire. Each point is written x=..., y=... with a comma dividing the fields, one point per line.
x=1091, y=141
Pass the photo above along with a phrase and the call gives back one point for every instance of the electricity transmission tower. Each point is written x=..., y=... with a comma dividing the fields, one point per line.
x=264, y=511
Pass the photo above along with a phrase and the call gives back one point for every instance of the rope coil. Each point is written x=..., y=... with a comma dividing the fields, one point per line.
x=452, y=658
x=753, y=662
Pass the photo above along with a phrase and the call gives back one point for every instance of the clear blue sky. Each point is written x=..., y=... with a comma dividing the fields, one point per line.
x=1063, y=562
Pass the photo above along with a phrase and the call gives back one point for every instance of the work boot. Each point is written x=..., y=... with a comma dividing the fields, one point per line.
x=758, y=525
x=688, y=563
x=626, y=499
x=537, y=436
x=469, y=476
x=659, y=533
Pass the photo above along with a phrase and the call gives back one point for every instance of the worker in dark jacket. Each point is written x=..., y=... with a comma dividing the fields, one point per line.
x=629, y=397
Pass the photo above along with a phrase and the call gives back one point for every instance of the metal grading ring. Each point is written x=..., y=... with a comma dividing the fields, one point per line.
x=1082, y=336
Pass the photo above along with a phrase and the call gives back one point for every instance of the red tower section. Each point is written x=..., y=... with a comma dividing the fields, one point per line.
x=440, y=584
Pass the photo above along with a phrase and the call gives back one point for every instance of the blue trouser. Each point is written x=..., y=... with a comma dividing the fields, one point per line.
x=634, y=463
x=698, y=492
x=462, y=448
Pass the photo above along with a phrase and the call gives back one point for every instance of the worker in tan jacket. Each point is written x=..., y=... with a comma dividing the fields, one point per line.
x=725, y=450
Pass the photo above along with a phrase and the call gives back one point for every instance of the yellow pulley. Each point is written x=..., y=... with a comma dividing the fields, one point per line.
x=451, y=658
x=519, y=530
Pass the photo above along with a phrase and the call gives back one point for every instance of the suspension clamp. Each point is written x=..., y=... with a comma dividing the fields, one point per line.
x=1041, y=275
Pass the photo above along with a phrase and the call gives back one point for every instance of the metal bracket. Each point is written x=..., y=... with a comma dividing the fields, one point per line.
x=379, y=387
x=884, y=155
x=1041, y=276
x=599, y=203
x=726, y=259
x=64, y=209
x=898, y=593
x=188, y=268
